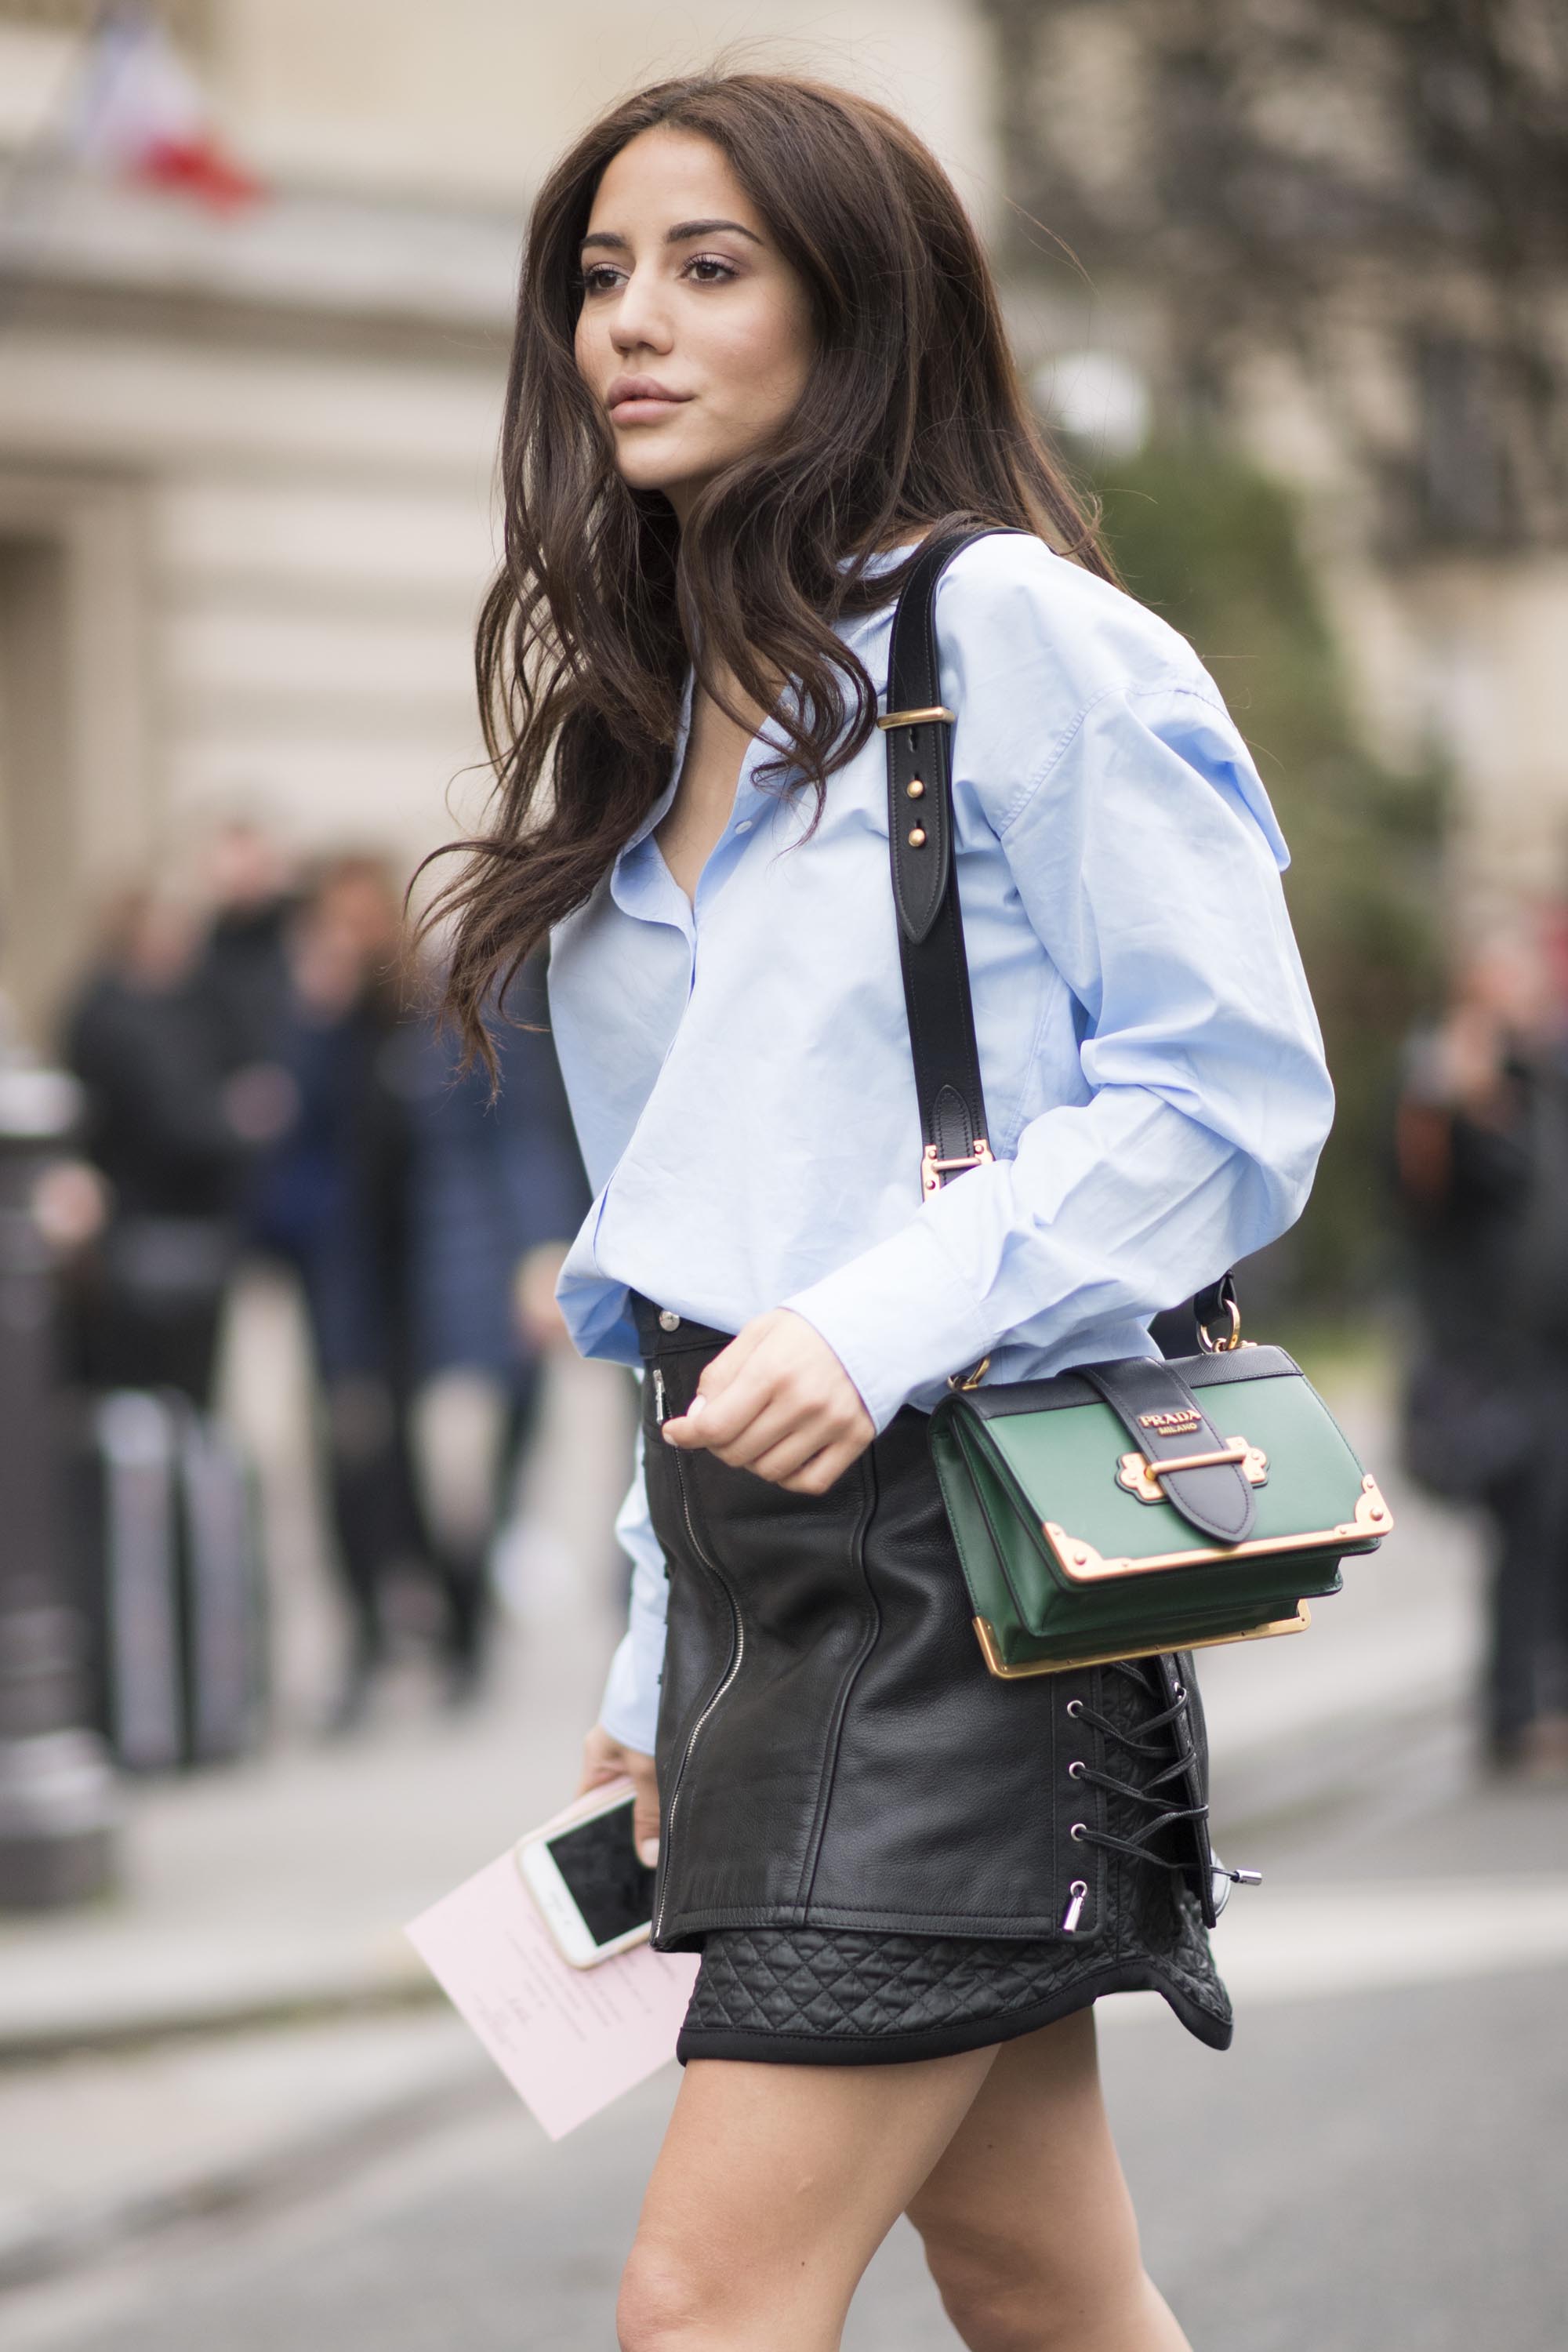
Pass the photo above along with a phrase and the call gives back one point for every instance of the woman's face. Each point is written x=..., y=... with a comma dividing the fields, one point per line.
x=695, y=333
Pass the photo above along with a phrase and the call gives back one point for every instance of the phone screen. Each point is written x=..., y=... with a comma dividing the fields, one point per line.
x=612, y=1890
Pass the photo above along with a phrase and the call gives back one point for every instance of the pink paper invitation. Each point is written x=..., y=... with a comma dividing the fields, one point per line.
x=569, y=2041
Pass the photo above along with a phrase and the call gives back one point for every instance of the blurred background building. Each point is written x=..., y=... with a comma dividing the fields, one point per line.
x=247, y=415
x=1332, y=235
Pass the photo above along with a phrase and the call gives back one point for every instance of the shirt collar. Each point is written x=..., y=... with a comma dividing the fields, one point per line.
x=850, y=631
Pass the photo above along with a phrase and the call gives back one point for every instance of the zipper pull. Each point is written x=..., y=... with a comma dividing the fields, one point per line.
x=1077, y=1895
x=658, y=1394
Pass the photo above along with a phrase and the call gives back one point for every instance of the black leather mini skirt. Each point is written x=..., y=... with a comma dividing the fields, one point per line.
x=881, y=1849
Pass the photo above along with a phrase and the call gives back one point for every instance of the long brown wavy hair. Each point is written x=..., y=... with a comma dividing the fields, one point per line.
x=912, y=418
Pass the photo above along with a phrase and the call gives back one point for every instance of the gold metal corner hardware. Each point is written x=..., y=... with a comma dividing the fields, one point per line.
x=990, y=1651
x=1141, y=1477
x=1373, y=1516
x=933, y=1170
x=917, y=717
x=1081, y=1564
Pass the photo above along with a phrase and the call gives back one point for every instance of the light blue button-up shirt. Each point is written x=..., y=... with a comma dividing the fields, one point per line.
x=738, y=1070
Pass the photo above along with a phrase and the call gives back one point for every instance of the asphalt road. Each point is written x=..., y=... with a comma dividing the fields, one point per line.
x=1378, y=2170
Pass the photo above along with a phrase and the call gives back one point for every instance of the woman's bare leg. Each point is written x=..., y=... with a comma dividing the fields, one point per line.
x=1028, y=2224
x=774, y=2187
x=776, y=2184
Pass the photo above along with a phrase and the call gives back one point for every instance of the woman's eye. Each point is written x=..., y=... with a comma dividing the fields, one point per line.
x=709, y=269
x=600, y=279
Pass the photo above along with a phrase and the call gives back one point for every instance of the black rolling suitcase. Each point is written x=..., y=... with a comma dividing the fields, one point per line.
x=174, y=1583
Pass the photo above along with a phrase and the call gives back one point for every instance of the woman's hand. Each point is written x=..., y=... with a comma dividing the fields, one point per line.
x=777, y=1401
x=605, y=1759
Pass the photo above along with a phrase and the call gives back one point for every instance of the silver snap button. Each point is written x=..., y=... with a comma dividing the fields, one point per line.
x=668, y=1319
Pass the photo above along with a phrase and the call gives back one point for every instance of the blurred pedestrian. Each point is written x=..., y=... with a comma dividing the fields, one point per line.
x=497, y=1189
x=331, y=1197
x=169, y=1135
x=1483, y=1174
x=251, y=901
x=411, y=1207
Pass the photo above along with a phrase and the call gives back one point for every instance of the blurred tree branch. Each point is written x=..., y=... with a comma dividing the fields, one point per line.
x=1275, y=172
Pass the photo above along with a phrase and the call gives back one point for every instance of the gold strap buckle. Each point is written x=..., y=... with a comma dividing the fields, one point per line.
x=1142, y=1476
x=933, y=1170
x=1169, y=1464
x=933, y=712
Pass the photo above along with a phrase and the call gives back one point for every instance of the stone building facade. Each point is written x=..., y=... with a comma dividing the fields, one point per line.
x=246, y=458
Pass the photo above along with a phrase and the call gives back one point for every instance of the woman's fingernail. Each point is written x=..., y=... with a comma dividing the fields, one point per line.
x=648, y=1853
x=698, y=1404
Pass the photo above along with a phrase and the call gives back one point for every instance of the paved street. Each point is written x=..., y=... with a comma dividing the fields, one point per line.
x=1376, y=2166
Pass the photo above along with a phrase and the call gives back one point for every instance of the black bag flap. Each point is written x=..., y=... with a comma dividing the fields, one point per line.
x=1166, y=1424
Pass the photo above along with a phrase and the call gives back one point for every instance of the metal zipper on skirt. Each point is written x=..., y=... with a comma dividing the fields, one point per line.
x=731, y=1671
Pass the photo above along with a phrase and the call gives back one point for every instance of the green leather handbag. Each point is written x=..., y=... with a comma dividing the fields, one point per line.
x=1122, y=1509
x=1103, y=1514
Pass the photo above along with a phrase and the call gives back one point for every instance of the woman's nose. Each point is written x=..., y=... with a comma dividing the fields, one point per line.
x=641, y=320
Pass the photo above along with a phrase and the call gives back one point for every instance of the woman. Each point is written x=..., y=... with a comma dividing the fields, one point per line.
x=759, y=360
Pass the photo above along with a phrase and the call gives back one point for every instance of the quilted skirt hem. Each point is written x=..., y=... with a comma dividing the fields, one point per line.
x=1213, y=2027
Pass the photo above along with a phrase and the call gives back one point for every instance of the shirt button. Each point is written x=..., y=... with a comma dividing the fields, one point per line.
x=667, y=1320
x=744, y=825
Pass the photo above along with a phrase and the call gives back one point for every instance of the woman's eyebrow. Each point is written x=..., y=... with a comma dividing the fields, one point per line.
x=680, y=235
x=684, y=229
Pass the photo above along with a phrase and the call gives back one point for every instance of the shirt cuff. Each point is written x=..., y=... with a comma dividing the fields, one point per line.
x=898, y=1317
x=629, y=1709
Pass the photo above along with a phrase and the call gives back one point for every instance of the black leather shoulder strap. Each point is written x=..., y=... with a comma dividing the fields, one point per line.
x=953, y=1132
x=925, y=878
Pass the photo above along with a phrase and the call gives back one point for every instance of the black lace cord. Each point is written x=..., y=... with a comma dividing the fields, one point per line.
x=1165, y=1814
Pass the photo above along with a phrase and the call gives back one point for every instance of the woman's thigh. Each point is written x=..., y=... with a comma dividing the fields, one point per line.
x=774, y=2189
x=1028, y=2227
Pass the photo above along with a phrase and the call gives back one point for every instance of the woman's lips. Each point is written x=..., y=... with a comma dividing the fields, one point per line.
x=641, y=400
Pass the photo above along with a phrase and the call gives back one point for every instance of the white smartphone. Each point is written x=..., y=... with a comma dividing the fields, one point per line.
x=596, y=1896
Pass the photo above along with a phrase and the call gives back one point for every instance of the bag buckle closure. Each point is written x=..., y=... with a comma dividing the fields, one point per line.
x=1142, y=1476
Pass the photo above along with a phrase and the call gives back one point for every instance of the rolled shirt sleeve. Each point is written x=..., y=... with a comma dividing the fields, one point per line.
x=1146, y=858
x=629, y=1710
